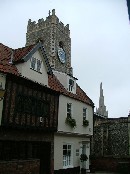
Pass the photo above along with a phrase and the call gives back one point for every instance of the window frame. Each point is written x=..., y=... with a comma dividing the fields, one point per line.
x=71, y=86
x=85, y=110
x=68, y=159
x=36, y=65
x=69, y=110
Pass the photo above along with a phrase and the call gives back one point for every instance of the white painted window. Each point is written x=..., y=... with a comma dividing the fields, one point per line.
x=36, y=64
x=67, y=155
x=71, y=85
x=84, y=113
x=69, y=109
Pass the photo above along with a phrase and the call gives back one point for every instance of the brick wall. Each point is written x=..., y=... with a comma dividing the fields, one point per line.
x=110, y=164
x=20, y=167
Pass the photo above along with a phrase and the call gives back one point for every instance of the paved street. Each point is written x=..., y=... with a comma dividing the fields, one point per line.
x=104, y=172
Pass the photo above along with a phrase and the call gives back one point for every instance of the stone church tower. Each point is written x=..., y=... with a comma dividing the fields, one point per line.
x=56, y=41
x=101, y=111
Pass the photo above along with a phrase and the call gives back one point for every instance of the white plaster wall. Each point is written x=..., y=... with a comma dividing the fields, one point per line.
x=59, y=140
x=3, y=81
x=64, y=80
x=62, y=77
x=24, y=69
x=77, y=114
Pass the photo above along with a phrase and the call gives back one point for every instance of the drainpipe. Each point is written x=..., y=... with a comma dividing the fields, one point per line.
x=129, y=132
x=102, y=140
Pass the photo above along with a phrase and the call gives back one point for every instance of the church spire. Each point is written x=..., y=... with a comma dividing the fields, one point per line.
x=102, y=108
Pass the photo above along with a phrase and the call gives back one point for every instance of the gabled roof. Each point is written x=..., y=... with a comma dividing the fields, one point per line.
x=25, y=53
x=19, y=55
x=22, y=55
x=80, y=95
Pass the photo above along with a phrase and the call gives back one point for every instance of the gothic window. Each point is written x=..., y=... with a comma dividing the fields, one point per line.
x=61, y=44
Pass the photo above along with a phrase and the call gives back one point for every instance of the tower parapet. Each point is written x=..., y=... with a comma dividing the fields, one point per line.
x=51, y=32
x=42, y=24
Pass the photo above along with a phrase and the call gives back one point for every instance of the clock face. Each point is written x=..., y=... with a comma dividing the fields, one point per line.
x=61, y=55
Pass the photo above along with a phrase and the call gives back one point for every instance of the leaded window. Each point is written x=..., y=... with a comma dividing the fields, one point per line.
x=32, y=105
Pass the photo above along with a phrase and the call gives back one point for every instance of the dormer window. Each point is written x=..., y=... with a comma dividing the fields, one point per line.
x=36, y=64
x=71, y=84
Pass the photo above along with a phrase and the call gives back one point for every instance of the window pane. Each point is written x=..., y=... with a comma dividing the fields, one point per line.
x=69, y=146
x=33, y=62
x=67, y=155
x=64, y=152
x=38, y=65
x=84, y=113
x=68, y=109
x=65, y=147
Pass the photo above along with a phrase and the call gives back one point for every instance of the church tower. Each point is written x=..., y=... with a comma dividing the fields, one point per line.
x=56, y=41
x=102, y=108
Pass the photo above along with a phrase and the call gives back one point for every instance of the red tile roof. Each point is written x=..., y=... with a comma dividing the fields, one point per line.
x=18, y=54
x=80, y=95
x=5, y=58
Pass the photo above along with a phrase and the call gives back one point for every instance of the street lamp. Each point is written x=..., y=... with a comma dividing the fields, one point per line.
x=2, y=92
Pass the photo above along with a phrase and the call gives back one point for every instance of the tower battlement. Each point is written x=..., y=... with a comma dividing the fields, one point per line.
x=52, y=19
x=51, y=32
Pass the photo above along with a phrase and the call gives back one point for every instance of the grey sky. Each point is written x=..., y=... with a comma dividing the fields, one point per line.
x=100, y=33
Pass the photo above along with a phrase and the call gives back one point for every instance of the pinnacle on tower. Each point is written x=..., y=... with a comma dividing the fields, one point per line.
x=102, y=108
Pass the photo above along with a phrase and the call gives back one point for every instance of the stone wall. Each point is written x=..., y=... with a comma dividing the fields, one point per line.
x=51, y=31
x=111, y=137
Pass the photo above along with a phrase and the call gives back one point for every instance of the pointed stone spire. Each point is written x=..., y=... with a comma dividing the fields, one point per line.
x=102, y=108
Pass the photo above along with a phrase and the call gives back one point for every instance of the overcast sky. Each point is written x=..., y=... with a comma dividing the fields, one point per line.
x=100, y=35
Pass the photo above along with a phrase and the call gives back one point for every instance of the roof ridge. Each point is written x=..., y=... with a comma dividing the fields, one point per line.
x=24, y=47
x=80, y=94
